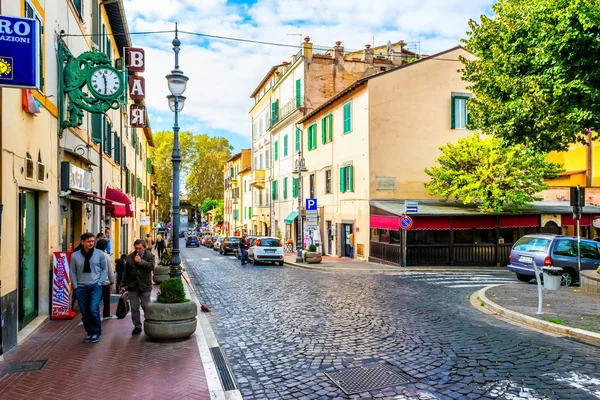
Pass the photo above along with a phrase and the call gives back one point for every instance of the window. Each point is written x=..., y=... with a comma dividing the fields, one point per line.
x=274, y=112
x=274, y=189
x=347, y=179
x=532, y=244
x=97, y=128
x=31, y=12
x=249, y=212
x=347, y=117
x=267, y=158
x=328, y=181
x=95, y=23
x=589, y=251
x=285, y=187
x=107, y=137
x=459, y=112
x=285, y=145
x=117, y=146
x=327, y=129
x=298, y=93
x=79, y=7
x=312, y=137
x=294, y=187
x=260, y=164
x=276, y=150
x=311, y=185
x=256, y=161
x=297, y=145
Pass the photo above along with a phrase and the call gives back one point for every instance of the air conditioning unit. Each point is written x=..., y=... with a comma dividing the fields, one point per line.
x=29, y=168
x=41, y=172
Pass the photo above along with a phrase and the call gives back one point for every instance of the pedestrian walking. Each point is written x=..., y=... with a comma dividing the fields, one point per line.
x=351, y=244
x=137, y=280
x=102, y=245
x=120, y=268
x=149, y=242
x=244, y=249
x=160, y=244
x=88, y=272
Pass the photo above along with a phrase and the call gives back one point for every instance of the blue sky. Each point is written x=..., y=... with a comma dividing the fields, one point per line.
x=223, y=74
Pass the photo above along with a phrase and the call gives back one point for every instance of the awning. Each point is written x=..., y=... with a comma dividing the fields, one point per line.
x=118, y=198
x=384, y=222
x=435, y=223
x=225, y=225
x=85, y=197
x=290, y=218
x=519, y=221
x=486, y=222
x=568, y=220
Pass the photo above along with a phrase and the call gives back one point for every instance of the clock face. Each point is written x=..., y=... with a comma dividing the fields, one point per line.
x=105, y=82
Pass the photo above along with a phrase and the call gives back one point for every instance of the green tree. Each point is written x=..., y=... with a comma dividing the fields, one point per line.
x=218, y=216
x=207, y=205
x=536, y=76
x=489, y=173
x=205, y=178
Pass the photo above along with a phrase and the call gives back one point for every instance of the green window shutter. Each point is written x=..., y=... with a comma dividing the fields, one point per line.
x=351, y=178
x=309, y=138
x=276, y=154
x=298, y=93
x=249, y=212
x=124, y=157
x=343, y=180
x=97, y=127
x=274, y=111
x=273, y=186
x=285, y=186
x=347, y=117
x=126, y=181
x=294, y=187
x=452, y=112
x=285, y=145
x=117, y=149
x=297, y=140
x=324, y=130
x=330, y=126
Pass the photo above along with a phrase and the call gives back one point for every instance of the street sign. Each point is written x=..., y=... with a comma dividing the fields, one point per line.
x=311, y=204
x=411, y=207
x=169, y=225
x=405, y=222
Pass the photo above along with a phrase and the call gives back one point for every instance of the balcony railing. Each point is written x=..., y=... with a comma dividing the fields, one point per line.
x=284, y=111
x=257, y=178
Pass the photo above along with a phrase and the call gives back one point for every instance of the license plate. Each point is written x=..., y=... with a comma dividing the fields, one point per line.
x=269, y=250
x=527, y=260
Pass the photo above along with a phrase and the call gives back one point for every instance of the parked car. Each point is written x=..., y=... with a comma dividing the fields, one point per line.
x=206, y=239
x=238, y=252
x=217, y=243
x=213, y=241
x=552, y=250
x=229, y=244
x=266, y=249
x=192, y=240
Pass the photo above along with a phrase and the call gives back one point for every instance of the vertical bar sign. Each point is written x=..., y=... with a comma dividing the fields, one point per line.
x=61, y=286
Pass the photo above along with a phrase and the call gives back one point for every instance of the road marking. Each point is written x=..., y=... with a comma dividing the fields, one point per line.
x=205, y=259
x=456, y=281
x=477, y=285
x=481, y=282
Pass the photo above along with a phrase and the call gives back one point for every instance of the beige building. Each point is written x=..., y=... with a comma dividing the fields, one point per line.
x=233, y=205
x=288, y=92
x=58, y=183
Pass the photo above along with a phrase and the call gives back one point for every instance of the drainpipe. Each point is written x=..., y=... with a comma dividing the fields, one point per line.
x=589, y=152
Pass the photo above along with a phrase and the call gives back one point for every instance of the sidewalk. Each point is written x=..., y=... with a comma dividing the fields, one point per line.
x=119, y=366
x=566, y=311
x=344, y=264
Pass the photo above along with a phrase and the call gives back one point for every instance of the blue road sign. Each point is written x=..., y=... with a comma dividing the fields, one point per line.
x=169, y=225
x=406, y=222
x=411, y=207
x=311, y=204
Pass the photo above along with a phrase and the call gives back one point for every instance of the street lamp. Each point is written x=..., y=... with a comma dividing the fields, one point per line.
x=300, y=167
x=177, y=84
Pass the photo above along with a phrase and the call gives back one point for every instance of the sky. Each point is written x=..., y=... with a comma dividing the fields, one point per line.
x=224, y=73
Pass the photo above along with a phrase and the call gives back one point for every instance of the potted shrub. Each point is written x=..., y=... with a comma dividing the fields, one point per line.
x=312, y=256
x=172, y=315
x=161, y=271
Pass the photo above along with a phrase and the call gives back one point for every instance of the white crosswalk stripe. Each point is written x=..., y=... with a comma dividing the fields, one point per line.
x=455, y=280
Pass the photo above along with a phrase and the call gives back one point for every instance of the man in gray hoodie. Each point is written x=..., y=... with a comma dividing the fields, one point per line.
x=88, y=273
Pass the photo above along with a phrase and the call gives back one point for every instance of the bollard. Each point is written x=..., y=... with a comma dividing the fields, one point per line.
x=538, y=279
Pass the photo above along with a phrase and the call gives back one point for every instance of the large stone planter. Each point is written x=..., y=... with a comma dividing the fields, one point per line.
x=590, y=282
x=160, y=274
x=170, y=321
x=313, y=257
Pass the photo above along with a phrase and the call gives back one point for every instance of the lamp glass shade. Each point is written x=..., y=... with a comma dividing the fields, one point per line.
x=177, y=83
x=180, y=102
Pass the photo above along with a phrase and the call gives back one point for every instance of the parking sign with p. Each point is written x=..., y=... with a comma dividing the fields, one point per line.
x=311, y=204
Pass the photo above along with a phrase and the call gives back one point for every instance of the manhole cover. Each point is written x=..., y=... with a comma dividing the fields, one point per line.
x=364, y=379
x=25, y=366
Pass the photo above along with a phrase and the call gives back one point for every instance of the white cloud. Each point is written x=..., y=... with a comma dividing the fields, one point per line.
x=223, y=74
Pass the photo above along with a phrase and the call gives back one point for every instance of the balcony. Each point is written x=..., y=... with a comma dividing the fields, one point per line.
x=233, y=180
x=257, y=178
x=284, y=111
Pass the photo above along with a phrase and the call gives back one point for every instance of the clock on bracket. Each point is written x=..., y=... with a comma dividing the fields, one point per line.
x=105, y=82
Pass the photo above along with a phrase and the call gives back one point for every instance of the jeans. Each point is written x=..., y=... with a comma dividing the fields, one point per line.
x=106, y=300
x=135, y=297
x=351, y=251
x=89, y=298
x=244, y=256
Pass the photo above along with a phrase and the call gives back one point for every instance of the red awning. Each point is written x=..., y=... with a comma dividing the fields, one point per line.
x=519, y=221
x=384, y=222
x=568, y=220
x=424, y=223
x=487, y=222
x=120, y=204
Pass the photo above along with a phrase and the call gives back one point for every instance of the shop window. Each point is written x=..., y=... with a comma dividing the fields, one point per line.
x=463, y=236
x=485, y=236
x=374, y=234
x=384, y=235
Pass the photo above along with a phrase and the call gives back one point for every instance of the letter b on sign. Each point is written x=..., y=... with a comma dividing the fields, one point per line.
x=136, y=59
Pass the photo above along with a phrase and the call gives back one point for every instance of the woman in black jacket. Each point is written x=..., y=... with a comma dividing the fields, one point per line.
x=120, y=269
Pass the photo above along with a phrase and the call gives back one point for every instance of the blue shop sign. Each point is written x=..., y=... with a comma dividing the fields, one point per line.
x=19, y=52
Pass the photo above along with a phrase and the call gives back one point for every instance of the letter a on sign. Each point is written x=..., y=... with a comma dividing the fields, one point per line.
x=137, y=87
x=135, y=59
x=137, y=116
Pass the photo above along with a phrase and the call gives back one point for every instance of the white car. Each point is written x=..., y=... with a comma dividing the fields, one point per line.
x=266, y=249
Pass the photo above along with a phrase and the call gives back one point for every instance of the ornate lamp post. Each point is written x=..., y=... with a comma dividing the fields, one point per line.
x=177, y=84
x=300, y=167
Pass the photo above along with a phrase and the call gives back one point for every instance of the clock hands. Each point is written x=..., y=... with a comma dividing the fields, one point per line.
x=105, y=83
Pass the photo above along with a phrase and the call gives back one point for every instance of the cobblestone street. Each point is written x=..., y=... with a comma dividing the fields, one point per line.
x=283, y=328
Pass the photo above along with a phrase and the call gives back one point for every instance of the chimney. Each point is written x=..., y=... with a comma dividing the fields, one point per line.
x=307, y=48
x=368, y=54
x=338, y=51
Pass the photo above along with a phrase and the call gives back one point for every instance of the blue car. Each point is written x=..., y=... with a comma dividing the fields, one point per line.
x=192, y=241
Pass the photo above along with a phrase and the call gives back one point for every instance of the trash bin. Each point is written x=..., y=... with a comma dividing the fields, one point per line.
x=552, y=277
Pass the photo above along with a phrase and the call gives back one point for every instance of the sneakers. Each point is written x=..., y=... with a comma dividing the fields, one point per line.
x=136, y=331
x=95, y=338
x=87, y=339
x=109, y=317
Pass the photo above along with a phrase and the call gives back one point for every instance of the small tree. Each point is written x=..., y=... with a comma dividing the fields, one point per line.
x=487, y=172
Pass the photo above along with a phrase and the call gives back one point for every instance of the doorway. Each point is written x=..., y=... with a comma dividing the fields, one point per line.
x=345, y=239
x=28, y=257
x=329, y=238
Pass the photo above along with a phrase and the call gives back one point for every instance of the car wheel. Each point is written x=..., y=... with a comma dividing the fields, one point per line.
x=281, y=263
x=568, y=278
x=524, y=278
x=255, y=262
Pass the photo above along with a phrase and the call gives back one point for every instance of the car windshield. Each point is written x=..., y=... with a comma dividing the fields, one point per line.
x=269, y=242
x=234, y=240
x=532, y=244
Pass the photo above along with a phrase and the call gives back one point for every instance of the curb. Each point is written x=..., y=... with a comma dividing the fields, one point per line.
x=388, y=271
x=540, y=325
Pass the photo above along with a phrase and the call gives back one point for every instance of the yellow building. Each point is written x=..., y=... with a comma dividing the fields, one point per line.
x=233, y=201
x=58, y=183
